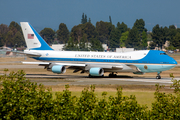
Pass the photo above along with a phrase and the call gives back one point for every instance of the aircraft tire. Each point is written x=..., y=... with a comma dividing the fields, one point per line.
x=158, y=77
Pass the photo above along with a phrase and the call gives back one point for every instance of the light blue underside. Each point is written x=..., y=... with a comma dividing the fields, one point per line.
x=154, y=68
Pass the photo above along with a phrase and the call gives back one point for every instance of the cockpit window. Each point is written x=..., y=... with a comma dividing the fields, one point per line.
x=163, y=54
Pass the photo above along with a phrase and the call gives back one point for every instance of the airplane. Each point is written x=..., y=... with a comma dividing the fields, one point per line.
x=94, y=63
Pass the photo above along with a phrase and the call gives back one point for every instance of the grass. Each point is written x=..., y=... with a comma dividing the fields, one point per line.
x=142, y=97
x=144, y=93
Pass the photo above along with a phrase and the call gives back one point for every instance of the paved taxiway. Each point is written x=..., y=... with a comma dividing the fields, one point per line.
x=84, y=80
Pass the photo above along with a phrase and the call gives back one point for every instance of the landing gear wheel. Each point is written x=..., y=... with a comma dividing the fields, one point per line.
x=158, y=77
x=90, y=76
x=112, y=75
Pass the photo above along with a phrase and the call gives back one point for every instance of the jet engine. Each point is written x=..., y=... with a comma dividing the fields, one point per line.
x=96, y=72
x=60, y=69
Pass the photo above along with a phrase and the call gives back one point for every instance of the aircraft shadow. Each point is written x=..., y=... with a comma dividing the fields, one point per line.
x=118, y=76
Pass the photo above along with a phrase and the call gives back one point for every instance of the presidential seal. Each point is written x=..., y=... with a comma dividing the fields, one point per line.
x=145, y=67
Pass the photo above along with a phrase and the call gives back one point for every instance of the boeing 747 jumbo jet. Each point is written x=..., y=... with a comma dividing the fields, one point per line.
x=94, y=63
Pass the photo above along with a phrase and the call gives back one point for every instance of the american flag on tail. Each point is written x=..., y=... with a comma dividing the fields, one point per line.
x=30, y=36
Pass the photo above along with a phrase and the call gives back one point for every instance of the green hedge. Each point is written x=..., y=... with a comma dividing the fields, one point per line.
x=22, y=99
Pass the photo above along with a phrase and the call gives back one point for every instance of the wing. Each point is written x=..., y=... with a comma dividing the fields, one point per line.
x=84, y=67
x=48, y=63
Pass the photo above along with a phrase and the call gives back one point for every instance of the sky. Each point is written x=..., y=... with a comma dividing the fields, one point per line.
x=50, y=13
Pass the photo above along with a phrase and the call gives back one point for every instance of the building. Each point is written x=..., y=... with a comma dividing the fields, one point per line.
x=57, y=47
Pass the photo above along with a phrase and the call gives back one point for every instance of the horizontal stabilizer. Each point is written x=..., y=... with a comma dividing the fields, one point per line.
x=32, y=54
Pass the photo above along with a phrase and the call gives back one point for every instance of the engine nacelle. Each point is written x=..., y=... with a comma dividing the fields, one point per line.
x=60, y=69
x=96, y=72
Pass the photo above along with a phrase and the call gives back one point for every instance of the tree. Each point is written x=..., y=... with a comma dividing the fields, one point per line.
x=83, y=45
x=178, y=30
x=71, y=46
x=90, y=31
x=123, y=38
x=13, y=24
x=81, y=30
x=19, y=40
x=84, y=19
x=9, y=39
x=104, y=30
x=176, y=41
x=96, y=45
x=133, y=40
x=48, y=35
x=89, y=20
x=144, y=40
x=152, y=45
x=172, y=32
x=139, y=24
x=121, y=28
x=76, y=33
x=62, y=33
x=110, y=19
x=3, y=32
x=159, y=35
x=14, y=37
x=114, y=39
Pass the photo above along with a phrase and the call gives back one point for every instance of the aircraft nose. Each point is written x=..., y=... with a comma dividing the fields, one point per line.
x=174, y=61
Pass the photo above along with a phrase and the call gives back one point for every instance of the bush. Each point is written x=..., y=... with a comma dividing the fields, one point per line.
x=22, y=99
x=167, y=106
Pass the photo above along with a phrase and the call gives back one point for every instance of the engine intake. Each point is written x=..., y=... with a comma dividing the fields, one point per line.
x=60, y=69
x=96, y=72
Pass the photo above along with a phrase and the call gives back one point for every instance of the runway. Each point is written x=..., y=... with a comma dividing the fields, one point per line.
x=83, y=80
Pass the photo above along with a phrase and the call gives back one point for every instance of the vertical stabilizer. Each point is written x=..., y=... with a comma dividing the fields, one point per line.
x=33, y=40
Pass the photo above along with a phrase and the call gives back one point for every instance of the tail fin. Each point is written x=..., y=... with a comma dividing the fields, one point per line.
x=33, y=40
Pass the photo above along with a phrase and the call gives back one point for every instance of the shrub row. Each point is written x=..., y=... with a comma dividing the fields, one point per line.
x=22, y=99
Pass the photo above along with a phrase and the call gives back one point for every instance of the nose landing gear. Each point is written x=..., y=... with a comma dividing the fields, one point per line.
x=158, y=75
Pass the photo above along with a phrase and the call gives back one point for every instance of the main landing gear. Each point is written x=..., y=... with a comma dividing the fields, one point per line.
x=158, y=75
x=112, y=75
